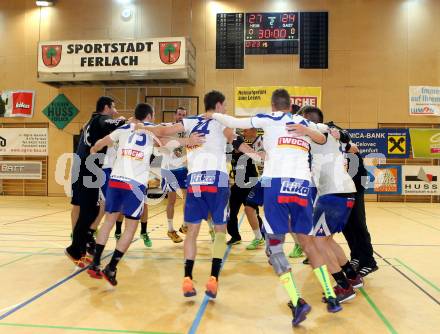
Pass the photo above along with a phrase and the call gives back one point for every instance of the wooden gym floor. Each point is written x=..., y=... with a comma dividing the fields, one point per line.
x=43, y=293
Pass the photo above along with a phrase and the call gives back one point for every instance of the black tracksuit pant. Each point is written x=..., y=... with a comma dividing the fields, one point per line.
x=357, y=235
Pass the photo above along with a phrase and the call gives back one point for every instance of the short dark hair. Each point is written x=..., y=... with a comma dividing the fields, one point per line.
x=102, y=102
x=180, y=108
x=312, y=110
x=212, y=98
x=294, y=108
x=142, y=110
x=281, y=99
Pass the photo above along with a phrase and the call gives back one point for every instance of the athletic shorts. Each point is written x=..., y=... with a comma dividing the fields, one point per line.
x=208, y=192
x=103, y=190
x=288, y=206
x=127, y=198
x=331, y=213
x=173, y=179
x=256, y=196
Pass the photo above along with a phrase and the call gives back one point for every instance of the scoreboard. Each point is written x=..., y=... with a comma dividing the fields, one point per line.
x=271, y=33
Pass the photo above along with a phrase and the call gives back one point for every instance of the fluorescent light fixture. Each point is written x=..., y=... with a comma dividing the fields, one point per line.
x=44, y=3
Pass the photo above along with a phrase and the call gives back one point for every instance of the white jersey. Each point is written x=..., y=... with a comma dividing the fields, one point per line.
x=211, y=155
x=176, y=158
x=133, y=156
x=110, y=157
x=287, y=155
x=328, y=167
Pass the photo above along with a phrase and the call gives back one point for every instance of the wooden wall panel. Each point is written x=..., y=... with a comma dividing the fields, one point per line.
x=377, y=49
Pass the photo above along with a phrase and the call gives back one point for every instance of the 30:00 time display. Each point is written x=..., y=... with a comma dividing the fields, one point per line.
x=277, y=26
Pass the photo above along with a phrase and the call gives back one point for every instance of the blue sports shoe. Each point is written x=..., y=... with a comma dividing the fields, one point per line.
x=299, y=311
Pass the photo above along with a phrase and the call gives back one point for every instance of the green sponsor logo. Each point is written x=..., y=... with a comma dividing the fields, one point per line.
x=60, y=111
x=425, y=143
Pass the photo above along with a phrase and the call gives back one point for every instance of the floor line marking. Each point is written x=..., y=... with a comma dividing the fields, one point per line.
x=22, y=258
x=23, y=220
x=410, y=219
x=101, y=330
x=202, y=308
x=409, y=279
x=427, y=281
x=378, y=311
x=49, y=289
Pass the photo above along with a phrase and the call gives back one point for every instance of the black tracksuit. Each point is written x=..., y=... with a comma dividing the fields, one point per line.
x=87, y=198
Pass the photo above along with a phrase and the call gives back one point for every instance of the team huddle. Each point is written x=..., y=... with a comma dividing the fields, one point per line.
x=304, y=189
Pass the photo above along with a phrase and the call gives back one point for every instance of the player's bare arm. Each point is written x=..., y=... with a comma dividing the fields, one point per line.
x=100, y=144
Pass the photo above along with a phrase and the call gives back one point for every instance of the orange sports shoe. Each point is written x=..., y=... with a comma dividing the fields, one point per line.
x=211, y=287
x=188, y=287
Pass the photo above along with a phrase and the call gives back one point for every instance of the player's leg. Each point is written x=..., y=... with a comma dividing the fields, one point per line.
x=122, y=246
x=301, y=213
x=255, y=199
x=218, y=206
x=195, y=211
x=74, y=214
x=101, y=239
x=172, y=234
x=353, y=277
x=234, y=208
x=118, y=229
x=297, y=250
x=189, y=254
x=87, y=214
x=144, y=224
x=90, y=246
x=276, y=225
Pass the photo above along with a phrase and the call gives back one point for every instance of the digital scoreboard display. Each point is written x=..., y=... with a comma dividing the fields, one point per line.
x=272, y=33
x=229, y=41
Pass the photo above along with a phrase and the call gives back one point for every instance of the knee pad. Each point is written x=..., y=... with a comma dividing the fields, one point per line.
x=276, y=255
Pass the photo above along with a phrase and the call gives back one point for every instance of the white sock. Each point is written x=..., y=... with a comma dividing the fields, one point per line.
x=170, y=225
x=257, y=233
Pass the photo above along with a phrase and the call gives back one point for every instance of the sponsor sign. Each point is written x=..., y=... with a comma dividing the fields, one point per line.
x=392, y=143
x=420, y=180
x=425, y=143
x=424, y=101
x=385, y=179
x=254, y=100
x=22, y=141
x=21, y=170
x=79, y=56
x=60, y=111
x=18, y=103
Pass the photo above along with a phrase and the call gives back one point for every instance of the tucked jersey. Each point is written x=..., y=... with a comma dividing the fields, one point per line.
x=329, y=168
x=132, y=162
x=287, y=154
x=211, y=155
x=176, y=158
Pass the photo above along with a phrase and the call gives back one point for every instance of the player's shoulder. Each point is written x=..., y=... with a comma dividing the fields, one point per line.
x=148, y=124
x=196, y=117
x=124, y=127
x=274, y=115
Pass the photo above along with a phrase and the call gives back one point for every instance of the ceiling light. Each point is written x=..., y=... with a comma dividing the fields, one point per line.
x=46, y=3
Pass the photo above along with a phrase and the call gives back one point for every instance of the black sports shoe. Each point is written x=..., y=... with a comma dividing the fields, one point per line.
x=364, y=271
x=333, y=305
x=233, y=241
x=94, y=271
x=110, y=275
x=306, y=261
x=90, y=245
x=355, y=264
x=299, y=311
